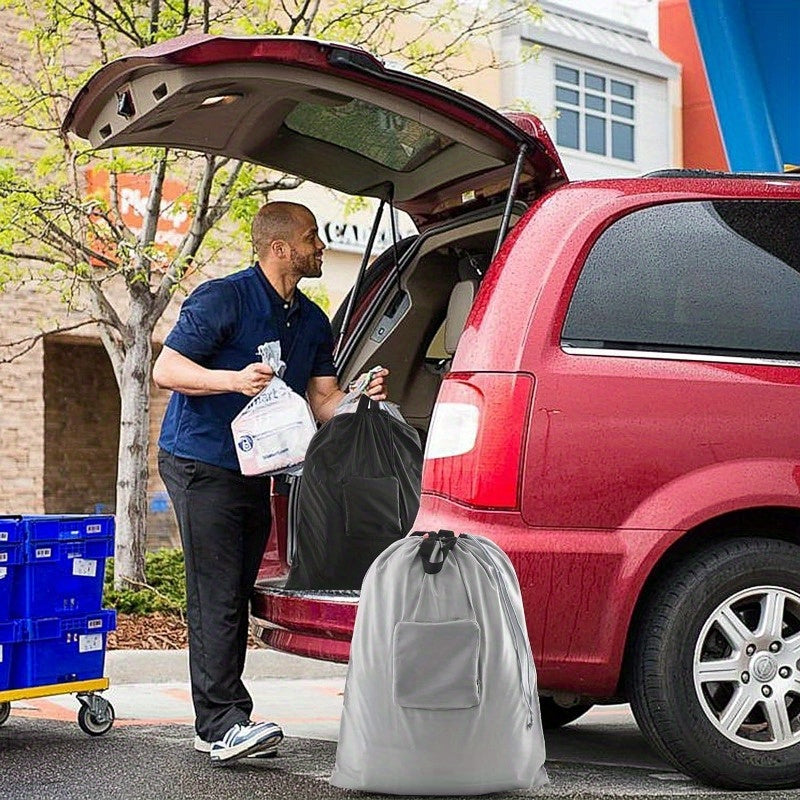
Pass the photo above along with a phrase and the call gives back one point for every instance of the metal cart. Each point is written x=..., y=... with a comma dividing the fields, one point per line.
x=95, y=716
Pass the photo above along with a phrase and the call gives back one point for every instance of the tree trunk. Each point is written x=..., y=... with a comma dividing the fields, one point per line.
x=132, y=470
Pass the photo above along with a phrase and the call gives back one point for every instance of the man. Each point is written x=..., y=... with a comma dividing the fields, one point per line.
x=209, y=361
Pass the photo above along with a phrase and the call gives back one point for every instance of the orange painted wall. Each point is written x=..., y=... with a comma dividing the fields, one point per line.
x=702, y=143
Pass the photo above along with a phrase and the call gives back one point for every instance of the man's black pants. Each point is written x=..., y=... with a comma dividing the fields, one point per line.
x=224, y=520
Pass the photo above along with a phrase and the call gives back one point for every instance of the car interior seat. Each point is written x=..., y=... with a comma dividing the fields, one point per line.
x=462, y=297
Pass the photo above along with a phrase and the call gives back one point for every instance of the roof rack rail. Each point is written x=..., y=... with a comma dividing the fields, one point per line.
x=712, y=173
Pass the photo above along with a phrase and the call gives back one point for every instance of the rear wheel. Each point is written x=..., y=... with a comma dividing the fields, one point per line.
x=714, y=672
x=5, y=712
x=555, y=715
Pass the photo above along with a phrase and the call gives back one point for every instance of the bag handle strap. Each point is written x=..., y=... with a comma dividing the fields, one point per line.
x=433, y=550
x=365, y=404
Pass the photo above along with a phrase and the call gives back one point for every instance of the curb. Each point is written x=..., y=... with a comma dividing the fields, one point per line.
x=172, y=666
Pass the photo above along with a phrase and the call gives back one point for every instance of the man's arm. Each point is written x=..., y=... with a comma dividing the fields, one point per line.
x=180, y=374
x=323, y=393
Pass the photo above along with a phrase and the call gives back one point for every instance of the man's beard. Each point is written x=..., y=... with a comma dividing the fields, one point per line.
x=305, y=266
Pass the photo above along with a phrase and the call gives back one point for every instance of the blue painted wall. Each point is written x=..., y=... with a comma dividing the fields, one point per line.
x=751, y=51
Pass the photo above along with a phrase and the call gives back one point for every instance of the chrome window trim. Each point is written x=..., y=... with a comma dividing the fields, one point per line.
x=574, y=350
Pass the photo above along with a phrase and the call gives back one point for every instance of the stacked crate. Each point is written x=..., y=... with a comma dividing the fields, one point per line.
x=52, y=625
x=11, y=557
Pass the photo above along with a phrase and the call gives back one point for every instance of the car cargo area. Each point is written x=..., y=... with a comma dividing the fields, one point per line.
x=410, y=325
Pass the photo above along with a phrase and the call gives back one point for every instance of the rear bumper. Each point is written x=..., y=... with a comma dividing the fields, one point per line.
x=310, y=624
x=579, y=588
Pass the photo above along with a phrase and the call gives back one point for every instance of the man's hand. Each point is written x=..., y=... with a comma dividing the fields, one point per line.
x=377, y=386
x=252, y=379
x=324, y=395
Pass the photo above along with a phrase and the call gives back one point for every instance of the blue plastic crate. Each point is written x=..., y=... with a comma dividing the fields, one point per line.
x=61, y=578
x=67, y=527
x=11, y=530
x=11, y=566
x=10, y=637
x=62, y=650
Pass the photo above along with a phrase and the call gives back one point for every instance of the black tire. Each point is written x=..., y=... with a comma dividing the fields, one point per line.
x=681, y=641
x=556, y=716
x=90, y=724
x=5, y=712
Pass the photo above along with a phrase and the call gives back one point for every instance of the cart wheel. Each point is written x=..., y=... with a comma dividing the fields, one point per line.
x=96, y=725
x=5, y=711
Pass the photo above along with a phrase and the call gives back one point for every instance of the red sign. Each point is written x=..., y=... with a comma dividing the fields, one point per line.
x=131, y=201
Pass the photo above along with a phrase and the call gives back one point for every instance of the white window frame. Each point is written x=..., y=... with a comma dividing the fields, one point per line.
x=583, y=110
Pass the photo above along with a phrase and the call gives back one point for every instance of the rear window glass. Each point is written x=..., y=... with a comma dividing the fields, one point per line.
x=389, y=139
x=698, y=277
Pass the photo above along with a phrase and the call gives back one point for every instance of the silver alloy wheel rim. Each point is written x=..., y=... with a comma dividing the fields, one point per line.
x=746, y=668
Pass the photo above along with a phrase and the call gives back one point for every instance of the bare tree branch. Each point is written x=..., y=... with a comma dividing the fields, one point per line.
x=222, y=204
x=155, y=14
x=186, y=17
x=30, y=342
x=43, y=259
x=148, y=233
x=60, y=237
x=300, y=17
x=190, y=244
x=104, y=307
x=311, y=17
x=101, y=40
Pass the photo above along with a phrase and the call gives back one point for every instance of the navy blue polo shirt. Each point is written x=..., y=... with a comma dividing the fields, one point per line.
x=220, y=326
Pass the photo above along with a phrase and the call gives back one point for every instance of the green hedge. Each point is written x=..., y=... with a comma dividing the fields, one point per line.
x=165, y=588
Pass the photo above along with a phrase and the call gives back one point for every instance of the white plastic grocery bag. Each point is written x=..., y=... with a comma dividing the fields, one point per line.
x=272, y=432
x=357, y=388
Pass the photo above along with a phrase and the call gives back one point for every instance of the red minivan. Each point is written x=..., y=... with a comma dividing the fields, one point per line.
x=606, y=375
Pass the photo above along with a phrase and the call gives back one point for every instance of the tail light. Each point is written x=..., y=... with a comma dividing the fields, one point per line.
x=474, y=448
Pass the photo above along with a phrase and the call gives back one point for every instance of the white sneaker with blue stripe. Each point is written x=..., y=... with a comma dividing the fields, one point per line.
x=245, y=740
x=202, y=746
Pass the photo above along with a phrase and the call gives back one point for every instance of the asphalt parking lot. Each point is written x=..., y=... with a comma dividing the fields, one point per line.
x=148, y=753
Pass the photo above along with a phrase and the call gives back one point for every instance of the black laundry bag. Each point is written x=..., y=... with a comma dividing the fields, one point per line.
x=359, y=493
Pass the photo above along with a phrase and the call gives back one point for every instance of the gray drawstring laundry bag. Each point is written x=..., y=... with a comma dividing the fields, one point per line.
x=440, y=697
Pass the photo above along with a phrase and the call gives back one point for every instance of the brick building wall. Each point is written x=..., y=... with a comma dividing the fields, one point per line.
x=59, y=418
x=81, y=427
x=21, y=411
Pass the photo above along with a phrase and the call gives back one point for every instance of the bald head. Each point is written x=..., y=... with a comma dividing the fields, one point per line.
x=287, y=243
x=278, y=221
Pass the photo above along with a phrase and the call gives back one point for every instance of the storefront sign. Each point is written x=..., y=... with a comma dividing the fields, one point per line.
x=131, y=202
x=352, y=237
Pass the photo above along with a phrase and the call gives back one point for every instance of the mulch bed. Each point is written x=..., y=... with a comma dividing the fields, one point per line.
x=157, y=631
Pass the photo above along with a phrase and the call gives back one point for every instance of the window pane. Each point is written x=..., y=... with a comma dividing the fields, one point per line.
x=566, y=75
x=394, y=141
x=621, y=109
x=594, y=102
x=566, y=95
x=622, y=141
x=716, y=277
x=595, y=135
x=595, y=82
x=567, y=128
x=621, y=89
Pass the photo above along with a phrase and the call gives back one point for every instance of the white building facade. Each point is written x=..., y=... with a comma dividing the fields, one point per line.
x=608, y=97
